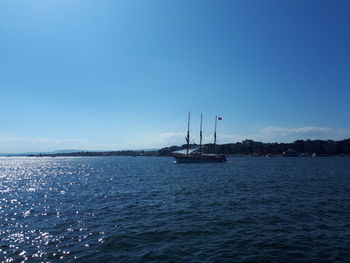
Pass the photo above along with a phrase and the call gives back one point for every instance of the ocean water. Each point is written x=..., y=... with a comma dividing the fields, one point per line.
x=148, y=209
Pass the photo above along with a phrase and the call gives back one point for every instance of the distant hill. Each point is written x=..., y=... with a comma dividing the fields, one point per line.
x=75, y=152
x=66, y=151
x=36, y=153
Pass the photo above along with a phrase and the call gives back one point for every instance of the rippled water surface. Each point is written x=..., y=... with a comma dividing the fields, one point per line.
x=127, y=209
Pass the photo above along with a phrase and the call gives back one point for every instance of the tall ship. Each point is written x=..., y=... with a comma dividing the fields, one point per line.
x=196, y=155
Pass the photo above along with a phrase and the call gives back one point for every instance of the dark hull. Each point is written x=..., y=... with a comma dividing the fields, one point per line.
x=200, y=159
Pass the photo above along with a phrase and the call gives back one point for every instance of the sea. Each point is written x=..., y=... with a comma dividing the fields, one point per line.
x=149, y=209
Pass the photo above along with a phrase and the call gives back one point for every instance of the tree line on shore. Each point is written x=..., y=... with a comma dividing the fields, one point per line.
x=246, y=147
x=250, y=147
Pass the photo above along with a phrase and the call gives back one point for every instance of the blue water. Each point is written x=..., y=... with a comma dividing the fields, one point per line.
x=148, y=209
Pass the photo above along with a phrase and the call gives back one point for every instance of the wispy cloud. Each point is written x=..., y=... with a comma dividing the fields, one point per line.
x=23, y=144
x=147, y=141
x=266, y=134
x=301, y=130
x=157, y=140
x=285, y=134
x=309, y=132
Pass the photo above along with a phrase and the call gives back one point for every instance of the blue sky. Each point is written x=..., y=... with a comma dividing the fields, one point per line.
x=103, y=75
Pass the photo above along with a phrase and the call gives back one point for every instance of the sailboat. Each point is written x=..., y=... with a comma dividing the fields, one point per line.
x=197, y=155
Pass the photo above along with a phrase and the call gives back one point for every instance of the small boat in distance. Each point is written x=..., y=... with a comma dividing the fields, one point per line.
x=197, y=155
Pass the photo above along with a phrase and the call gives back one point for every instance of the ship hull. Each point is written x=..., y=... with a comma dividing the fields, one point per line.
x=200, y=159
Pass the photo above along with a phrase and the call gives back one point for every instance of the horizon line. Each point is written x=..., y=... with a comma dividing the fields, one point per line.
x=157, y=148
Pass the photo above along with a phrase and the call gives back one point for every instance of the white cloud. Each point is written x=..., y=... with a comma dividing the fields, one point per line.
x=22, y=144
x=267, y=134
x=148, y=141
x=301, y=130
x=284, y=134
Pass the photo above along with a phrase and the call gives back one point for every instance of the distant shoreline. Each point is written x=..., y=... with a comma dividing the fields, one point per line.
x=247, y=148
x=164, y=156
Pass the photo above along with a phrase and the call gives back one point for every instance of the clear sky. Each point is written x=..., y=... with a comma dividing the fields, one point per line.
x=109, y=75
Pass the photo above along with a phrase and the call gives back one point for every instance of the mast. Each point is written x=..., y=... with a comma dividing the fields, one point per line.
x=216, y=119
x=188, y=132
x=200, y=138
